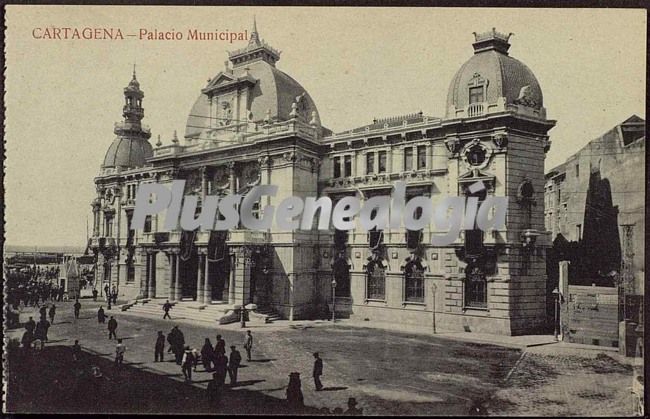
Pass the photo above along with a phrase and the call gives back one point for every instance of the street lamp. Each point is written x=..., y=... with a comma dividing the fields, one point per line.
x=556, y=294
x=333, y=300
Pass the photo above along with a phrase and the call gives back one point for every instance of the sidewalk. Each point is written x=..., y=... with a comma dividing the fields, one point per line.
x=519, y=342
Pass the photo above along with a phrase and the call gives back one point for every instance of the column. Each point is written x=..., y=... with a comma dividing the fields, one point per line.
x=144, y=279
x=231, y=280
x=151, y=283
x=177, y=274
x=207, y=287
x=172, y=275
x=200, y=278
x=233, y=179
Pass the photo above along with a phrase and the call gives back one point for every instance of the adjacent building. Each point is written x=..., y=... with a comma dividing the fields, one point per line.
x=253, y=124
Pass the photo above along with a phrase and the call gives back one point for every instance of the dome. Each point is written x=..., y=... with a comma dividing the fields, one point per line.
x=127, y=153
x=252, y=91
x=491, y=75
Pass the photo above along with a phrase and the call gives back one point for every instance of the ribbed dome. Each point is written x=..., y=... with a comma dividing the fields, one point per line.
x=501, y=75
x=274, y=91
x=128, y=153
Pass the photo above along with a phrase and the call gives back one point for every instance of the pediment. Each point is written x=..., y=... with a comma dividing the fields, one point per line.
x=220, y=79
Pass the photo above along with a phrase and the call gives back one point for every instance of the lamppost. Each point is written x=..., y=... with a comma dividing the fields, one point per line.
x=556, y=294
x=333, y=300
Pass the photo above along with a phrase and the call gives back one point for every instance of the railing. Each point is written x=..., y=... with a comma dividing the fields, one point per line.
x=475, y=109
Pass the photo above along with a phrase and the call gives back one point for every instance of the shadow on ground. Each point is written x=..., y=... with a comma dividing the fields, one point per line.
x=52, y=382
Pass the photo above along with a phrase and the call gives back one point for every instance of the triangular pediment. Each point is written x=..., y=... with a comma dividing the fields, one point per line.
x=219, y=79
x=474, y=175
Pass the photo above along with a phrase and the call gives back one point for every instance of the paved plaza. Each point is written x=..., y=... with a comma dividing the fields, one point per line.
x=388, y=372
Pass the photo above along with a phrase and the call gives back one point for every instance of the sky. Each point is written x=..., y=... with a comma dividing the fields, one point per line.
x=63, y=96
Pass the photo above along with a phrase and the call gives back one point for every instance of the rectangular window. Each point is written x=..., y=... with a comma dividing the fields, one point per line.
x=408, y=158
x=376, y=284
x=414, y=284
x=337, y=167
x=147, y=224
x=382, y=162
x=370, y=163
x=577, y=170
x=422, y=157
x=579, y=232
x=475, y=287
x=348, y=166
x=475, y=94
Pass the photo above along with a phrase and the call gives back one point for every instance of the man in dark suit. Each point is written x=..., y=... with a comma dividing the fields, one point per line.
x=160, y=347
x=233, y=364
x=112, y=327
x=318, y=371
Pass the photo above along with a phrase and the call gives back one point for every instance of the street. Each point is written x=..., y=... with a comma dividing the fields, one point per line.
x=387, y=372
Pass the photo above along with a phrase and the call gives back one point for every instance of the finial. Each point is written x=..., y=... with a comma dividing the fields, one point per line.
x=175, y=139
x=158, y=143
x=134, y=71
x=294, y=110
x=254, y=24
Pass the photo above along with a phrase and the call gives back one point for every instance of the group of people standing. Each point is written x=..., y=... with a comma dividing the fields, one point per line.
x=213, y=358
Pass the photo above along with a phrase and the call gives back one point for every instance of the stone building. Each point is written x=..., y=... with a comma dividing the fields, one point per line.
x=253, y=124
x=595, y=204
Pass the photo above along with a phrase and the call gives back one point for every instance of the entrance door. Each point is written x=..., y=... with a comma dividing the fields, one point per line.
x=218, y=276
x=189, y=271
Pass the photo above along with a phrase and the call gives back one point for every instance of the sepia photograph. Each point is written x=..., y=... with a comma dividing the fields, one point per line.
x=238, y=210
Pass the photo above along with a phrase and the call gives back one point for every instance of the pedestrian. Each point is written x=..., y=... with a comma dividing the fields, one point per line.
x=214, y=391
x=76, y=351
x=112, y=326
x=353, y=410
x=220, y=346
x=294, y=393
x=77, y=307
x=101, y=317
x=233, y=364
x=195, y=354
x=221, y=367
x=27, y=339
x=177, y=342
x=45, y=325
x=106, y=290
x=187, y=363
x=30, y=325
x=52, y=313
x=248, y=344
x=166, y=307
x=318, y=371
x=61, y=292
x=43, y=312
x=119, y=352
x=95, y=294
x=160, y=347
x=207, y=354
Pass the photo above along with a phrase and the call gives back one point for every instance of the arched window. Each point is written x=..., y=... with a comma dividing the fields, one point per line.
x=414, y=281
x=475, y=287
x=376, y=274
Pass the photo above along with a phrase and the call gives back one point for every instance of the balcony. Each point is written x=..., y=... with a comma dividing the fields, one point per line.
x=475, y=109
x=247, y=237
x=102, y=242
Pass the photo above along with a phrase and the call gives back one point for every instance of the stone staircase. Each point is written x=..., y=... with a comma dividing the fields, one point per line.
x=181, y=309
x=210, y=313
x=269, y=312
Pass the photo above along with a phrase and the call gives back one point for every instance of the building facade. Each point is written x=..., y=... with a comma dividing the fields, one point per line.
x=595, y=201
x=254, y=125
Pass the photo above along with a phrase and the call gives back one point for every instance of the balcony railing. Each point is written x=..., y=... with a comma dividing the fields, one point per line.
x=475, y=109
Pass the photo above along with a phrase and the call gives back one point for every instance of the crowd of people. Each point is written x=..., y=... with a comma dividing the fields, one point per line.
x=214, y=358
